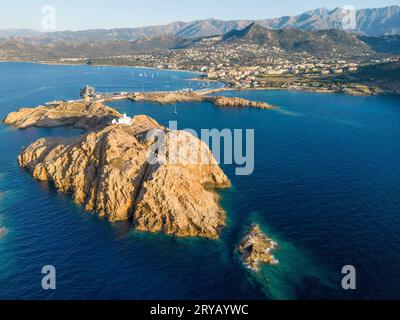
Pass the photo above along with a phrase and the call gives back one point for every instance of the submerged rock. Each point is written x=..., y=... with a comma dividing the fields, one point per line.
x=255, y=249
x=107, y=171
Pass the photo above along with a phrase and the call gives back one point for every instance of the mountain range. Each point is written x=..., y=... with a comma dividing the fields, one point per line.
x=290, y=40
x=371, y=22
x=320, y=43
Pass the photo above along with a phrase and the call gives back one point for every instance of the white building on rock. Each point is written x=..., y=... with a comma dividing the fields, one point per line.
x=124, y=120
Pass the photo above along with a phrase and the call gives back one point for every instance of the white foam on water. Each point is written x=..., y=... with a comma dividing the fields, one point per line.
x=288, y=113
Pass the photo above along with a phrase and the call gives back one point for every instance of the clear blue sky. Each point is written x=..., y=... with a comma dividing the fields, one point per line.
x=89, y=14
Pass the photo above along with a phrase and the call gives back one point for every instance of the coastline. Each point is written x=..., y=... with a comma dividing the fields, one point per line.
x=226, y=84
x=105, y=65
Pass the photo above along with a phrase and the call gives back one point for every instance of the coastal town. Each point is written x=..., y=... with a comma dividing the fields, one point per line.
x=250, y=66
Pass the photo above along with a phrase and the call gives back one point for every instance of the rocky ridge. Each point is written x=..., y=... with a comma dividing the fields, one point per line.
x=219, y=101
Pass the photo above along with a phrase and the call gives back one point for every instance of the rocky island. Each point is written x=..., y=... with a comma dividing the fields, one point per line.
x=179, y=96
x=255, y=249
x=106, y=170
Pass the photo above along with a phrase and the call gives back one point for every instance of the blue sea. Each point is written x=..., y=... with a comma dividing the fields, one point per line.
x=326, y=187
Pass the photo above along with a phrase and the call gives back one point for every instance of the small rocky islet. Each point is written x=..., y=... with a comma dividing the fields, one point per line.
x=106, y=169
x=256, y=248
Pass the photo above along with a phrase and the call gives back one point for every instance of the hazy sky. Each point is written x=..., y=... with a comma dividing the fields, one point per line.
x=89, y=14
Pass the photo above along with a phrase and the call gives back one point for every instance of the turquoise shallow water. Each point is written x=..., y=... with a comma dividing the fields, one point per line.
x=325, y=187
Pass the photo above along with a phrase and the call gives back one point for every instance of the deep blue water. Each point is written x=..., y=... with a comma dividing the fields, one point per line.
x=326, y=187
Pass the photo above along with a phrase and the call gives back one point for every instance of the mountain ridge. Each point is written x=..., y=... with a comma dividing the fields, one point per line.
x=370, y=21
x=291, y=40
x=321, y=43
